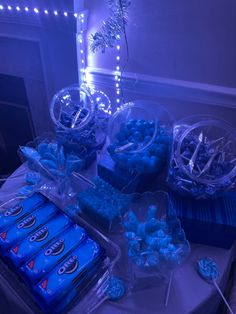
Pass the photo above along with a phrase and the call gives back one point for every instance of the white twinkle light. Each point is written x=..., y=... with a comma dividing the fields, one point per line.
x=46, y=11
x=9, y=8
x=17, y=8
x=55, y=13
x=1, y=7
x=65, y=14
x=75, y=15
x=26, y=9
x=36, y=10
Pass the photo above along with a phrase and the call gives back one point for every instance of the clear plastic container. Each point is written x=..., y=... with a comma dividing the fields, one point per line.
x=18, y=295
x=203, y=163
x=159, y=246
x=81, y=117
x=139, y=136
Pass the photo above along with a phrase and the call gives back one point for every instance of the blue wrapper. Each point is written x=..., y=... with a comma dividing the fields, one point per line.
x=25, y=226
x=39, y=265
x=22, y=251
x=20, y=210
x=69, y=275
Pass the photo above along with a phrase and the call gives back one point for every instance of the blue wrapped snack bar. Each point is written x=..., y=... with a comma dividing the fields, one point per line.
x=25, y=226
x=70, y=275
x=40, y=264
x=29, y=246
x=23, y=208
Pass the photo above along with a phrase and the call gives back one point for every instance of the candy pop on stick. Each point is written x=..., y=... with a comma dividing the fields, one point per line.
x=208, y=270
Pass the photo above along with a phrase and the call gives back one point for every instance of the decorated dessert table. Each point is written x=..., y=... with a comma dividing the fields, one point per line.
x=189, y=292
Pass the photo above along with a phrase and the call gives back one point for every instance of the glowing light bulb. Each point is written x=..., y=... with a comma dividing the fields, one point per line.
x=46, y=11
x=55, y=13
x=36, y=10
x=1, y=7
x=17, y=8
x=9, y=7
x=118, y=68
x=65, y=14
x=26, y=9
x=75, y=15
x=118, y=58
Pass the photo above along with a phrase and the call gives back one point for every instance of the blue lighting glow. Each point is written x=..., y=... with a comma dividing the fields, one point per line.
x=36, y=11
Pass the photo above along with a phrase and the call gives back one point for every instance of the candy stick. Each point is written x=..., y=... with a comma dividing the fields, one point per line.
x=168, y=289
x=76, y=117
x=223, y=297
x=124, y=147
x=208, y=164
x=194, y=156
x=12, y=199
x=208, y=270
x=83, y=178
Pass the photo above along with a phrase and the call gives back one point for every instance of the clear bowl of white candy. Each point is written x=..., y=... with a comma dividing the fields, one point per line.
x=81, y=117
x=139, y=136
x=156, y=242
x=203, y=159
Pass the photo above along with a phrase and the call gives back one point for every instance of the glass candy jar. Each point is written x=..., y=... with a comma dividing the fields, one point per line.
x=203, y=163
x=139, y=136
x=81, y=116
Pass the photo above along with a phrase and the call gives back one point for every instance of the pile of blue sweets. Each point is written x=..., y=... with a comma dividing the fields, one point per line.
x=216, y=169
x=156, y=243
x=104, y=204
x=136, y=131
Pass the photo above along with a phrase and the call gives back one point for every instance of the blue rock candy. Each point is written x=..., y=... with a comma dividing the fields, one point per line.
x=141, y=230
x=131, y=223
x=152, y=225
x=152, y=212
x=33, y=178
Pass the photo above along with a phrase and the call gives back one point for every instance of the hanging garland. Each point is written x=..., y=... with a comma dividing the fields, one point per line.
x=113, y=27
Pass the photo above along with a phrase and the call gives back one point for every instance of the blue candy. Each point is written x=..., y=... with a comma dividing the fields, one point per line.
x=116, y=289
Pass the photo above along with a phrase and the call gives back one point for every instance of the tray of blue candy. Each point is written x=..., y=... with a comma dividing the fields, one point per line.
x=156, y=242
x=104, y=205
x=49, y=262
x=203, y=163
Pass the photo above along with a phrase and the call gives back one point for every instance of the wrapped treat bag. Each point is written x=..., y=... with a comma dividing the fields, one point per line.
x=203, y=163
x=156, y=243
x=20, y=229
x=70, y=275
x=139, y=141
x=22, y=251
x=8, y=216
x=43, y=262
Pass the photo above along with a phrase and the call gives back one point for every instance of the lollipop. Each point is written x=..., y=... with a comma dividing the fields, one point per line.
x=208, y=270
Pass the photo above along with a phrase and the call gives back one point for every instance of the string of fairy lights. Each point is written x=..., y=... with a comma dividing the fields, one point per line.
x=37, y=11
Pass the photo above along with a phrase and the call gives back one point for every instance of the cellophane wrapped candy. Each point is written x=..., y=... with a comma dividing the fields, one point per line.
x=81, y=116
x=203, y=163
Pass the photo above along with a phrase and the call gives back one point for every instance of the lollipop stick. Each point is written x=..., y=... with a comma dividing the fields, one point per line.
x=11, y=200
x=168, y=289
x=221, y=294
x=83, y=178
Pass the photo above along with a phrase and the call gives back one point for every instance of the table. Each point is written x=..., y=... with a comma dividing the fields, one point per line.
x=189, y=293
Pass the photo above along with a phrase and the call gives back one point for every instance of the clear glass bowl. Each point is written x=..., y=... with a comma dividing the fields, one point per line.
x=203, y=163
x=139, y=136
